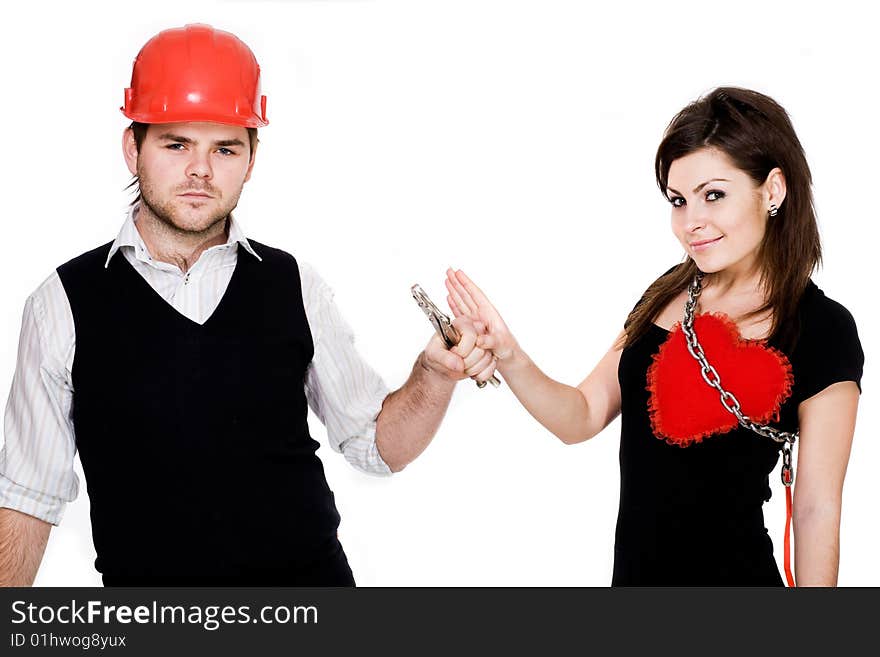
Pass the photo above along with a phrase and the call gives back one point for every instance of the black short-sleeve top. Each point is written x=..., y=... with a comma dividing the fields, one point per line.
x=693, y=515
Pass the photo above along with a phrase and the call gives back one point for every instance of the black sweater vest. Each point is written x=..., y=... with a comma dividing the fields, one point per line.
x=193, y=438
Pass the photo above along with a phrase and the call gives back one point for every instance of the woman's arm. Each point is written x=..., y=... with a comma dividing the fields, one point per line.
x=573, y=414
x=827, y=423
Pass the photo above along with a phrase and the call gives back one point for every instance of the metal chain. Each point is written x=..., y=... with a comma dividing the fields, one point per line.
x=728, y=399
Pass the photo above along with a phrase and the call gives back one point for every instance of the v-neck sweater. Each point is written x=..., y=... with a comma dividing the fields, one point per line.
x=207, y=445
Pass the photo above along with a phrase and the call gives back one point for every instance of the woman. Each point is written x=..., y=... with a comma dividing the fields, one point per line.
x=693, y=477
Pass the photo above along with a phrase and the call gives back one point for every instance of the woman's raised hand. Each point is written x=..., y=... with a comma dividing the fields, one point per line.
x=467, y=300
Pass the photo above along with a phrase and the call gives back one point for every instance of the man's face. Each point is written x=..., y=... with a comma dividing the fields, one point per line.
x=190, y=174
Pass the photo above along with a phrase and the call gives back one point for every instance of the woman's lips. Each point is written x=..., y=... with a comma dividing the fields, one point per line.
x=704, y=244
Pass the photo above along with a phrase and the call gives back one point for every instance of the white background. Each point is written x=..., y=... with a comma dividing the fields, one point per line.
x=512, y=139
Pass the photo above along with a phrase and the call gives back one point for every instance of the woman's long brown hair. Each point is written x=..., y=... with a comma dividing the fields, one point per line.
x=754, y=131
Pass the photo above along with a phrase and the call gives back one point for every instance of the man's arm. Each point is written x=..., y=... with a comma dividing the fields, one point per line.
x=378, y=431
x=37, y=477
x=23, y=540
x=411, y=415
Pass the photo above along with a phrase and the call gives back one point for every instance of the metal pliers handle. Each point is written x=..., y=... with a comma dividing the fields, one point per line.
x=442, y=324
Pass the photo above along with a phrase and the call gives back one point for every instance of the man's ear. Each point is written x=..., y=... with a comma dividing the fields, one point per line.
x=250, y=168
x=130, y=150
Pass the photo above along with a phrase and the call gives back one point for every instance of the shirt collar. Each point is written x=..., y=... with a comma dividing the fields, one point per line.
x=129, y=236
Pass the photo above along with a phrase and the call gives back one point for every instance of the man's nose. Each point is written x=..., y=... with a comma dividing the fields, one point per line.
x=199, y=165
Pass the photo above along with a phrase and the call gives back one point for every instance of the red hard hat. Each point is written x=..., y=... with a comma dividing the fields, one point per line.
x=196, y=73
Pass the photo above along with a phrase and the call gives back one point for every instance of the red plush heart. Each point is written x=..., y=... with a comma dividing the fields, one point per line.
x=684, y=408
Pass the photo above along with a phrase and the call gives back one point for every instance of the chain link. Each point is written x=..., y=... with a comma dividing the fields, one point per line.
x=728, y=399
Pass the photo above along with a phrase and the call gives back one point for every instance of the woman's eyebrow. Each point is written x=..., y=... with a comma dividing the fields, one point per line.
x=698, y=187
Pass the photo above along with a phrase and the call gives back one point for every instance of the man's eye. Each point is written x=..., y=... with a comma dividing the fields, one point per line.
x=174, y=147
x=225, y=151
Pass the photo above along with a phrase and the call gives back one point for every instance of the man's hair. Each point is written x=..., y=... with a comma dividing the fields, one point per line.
x=139, y=130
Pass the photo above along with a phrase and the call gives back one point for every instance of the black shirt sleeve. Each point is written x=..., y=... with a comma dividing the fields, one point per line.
x=828, y=349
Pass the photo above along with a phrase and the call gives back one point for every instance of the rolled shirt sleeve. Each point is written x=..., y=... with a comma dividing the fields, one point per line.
x=36, y=462
x=341, y=388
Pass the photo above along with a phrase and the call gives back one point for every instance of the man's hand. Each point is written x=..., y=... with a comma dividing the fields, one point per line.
x=463, y=360
x=410, y=415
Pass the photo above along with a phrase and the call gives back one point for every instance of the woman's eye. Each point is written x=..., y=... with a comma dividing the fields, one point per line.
x=676, y=201
x=714, y=195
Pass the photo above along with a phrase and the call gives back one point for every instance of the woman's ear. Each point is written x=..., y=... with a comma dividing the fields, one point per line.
x=774, y=189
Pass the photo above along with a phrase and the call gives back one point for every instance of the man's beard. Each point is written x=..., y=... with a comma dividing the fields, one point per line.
x=169, y=214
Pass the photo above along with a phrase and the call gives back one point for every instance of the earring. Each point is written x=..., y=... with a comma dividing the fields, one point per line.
x=773, y=210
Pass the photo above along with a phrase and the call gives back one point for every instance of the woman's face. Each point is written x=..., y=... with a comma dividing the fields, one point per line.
x=718, y=213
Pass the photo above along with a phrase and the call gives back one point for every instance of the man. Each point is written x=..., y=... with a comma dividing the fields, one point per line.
x=181, y=358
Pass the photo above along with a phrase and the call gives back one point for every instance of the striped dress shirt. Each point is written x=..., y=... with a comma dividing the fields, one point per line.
x=37, y=461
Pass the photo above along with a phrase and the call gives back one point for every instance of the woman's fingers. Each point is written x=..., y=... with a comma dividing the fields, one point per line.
x=455, y=293
x=477, y=361
x=487, y=341
x=492, y=333
x=487, y=373
x=463, y=294
x=471, y=291
x=491, y=343
x=458, y=312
